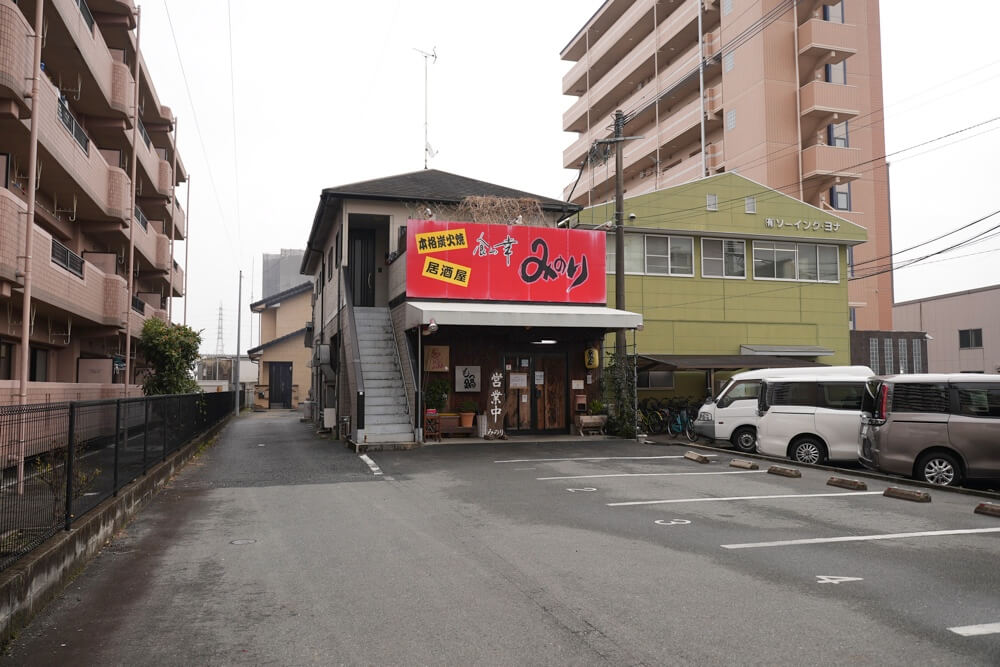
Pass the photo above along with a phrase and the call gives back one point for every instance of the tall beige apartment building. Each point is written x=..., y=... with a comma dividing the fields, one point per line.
x=83, y=319
x=788, y=94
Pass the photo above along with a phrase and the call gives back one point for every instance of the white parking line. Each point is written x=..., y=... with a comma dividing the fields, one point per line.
x=976, y=630
x=655, y=474
x=706, y=500
x=371, y=464
x=860, y=538
x=598, y=458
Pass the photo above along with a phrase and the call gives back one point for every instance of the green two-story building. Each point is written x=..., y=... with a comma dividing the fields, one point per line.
x=730, y=274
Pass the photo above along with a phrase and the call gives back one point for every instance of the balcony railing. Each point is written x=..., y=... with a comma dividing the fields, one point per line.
x=66, y=258
x=69, y=121
x=141, y=218
x=138, y=305
x=87, y=16
x=145, y=135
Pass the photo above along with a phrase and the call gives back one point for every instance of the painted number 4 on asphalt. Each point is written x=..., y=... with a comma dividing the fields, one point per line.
x=825, y=579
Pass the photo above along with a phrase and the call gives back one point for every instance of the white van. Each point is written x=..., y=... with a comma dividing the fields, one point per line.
x=732, y=415
x=811, y=418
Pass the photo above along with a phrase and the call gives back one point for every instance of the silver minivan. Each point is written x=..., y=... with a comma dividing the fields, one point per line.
x=940, y=429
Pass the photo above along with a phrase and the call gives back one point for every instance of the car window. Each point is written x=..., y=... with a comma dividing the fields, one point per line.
x=979, y=400
x=741, y=391
x=914, y=397
x=791, y=393
x=840, y=395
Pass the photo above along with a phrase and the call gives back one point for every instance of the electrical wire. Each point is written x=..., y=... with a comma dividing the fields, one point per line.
x=232, y=103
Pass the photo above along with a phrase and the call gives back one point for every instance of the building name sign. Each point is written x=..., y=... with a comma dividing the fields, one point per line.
x=464, y=260
x=802, y=225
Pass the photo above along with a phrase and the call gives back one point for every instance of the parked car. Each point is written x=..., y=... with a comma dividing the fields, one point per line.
x=941, y=429
x=810, y=418
x=732, y=415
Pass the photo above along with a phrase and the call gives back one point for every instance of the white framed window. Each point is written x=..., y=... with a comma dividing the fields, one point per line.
x=888, y=357
x=654, y=254
x=873, y=354
x=902, y=356
x=918, y=366
x=723, y=258
x=634, y=254
x=731, y=119
x=729, y=61
x=750, y=204
x=711, y=202
x=775, y=260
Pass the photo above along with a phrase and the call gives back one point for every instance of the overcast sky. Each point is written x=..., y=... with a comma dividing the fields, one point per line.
x=329, y=93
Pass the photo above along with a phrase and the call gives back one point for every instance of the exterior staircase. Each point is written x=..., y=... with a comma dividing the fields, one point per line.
x=387, y=415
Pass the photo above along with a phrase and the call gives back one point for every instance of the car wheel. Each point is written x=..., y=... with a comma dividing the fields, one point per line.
x=808, y=450
x=940, y=469
x=745, y=439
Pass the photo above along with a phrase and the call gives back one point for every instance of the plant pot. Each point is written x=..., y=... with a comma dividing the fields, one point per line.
x=465, y=418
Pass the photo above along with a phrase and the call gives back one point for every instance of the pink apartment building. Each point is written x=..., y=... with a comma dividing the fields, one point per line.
x=788, y=94
x=85, y=213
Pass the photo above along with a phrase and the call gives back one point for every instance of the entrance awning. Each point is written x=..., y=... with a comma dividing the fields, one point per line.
x=786, y=350
x=419, y=313
x=719, y=362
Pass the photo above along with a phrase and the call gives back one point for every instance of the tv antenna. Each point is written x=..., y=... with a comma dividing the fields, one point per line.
x=428, y=151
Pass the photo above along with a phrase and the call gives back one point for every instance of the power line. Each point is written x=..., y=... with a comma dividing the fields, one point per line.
x=197, y=126
x=232, y=100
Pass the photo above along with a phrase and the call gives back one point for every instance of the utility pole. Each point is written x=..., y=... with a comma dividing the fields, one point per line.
x=236, y=365
x=619, y=231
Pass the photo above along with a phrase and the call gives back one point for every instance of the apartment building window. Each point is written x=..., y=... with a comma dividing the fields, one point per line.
x=888, y=356
x=329, y=264
x=727, y=7
x=711, y=202
x=723, y=258
x=655, y=380
x=38, y=370
x=970, y=338
x=902, y=356
x=918, y=366
x=837, y=73
x=840, y=197
x=850, y=261
x=336, y=252
x=773, y=260
x=834, y=13
x=836, y=135
x=6, y=361
x=729, y=61
x=873, y=354
x=852, y=318
x=634, y=254
x=5, y=170
x=750, y=204
x=731, y=119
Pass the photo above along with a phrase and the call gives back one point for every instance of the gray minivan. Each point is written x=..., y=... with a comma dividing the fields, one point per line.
x=940, y=429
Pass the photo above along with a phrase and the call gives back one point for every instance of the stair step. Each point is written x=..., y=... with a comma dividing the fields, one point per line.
x=388, y=428
x=388, y=438
x=382, y=383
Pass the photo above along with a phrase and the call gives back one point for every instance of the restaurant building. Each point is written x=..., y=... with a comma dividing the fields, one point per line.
x=433, y=288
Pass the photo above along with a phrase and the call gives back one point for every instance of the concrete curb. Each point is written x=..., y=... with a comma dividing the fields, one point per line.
x=907, y=494
x=844, y=483
x=856, y=473
x=784, y=472
x=36, y=578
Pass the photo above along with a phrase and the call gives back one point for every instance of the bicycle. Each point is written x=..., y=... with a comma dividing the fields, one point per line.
x=650, y=421
x=679, y=420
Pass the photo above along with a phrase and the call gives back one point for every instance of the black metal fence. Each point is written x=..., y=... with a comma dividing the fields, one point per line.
x=61, y=460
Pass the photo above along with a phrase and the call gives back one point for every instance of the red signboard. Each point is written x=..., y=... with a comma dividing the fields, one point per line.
x=464, y=260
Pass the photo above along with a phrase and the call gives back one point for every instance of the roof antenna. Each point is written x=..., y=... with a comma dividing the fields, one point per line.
x=428, y=151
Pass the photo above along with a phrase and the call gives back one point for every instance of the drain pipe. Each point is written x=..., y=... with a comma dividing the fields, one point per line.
x=29, y=232
x=132, y=220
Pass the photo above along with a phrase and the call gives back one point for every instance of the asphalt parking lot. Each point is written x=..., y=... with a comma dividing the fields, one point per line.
x=755, y=555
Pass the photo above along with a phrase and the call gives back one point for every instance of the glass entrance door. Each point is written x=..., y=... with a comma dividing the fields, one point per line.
x=536, y=392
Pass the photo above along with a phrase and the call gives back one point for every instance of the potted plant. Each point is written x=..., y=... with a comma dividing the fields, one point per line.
x=467, y=412
x=436, y=395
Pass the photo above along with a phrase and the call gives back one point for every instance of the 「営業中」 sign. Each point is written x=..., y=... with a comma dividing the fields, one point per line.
x=496, y=401
x=464, y=260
